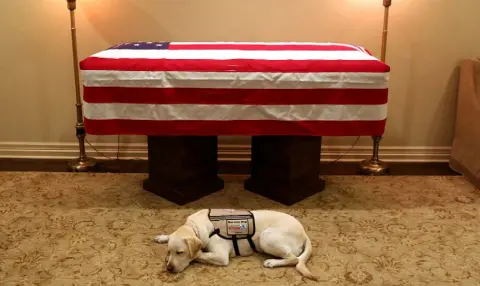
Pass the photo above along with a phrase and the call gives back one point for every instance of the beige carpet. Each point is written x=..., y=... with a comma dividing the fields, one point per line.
x=96, y=229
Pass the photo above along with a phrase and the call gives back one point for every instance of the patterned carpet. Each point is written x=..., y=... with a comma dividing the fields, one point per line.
x=97, y=229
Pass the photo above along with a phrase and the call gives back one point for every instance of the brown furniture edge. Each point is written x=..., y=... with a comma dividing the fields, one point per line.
x=225, y=167
x=455, y=165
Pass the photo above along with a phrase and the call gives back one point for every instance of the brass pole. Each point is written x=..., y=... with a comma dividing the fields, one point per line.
x=82, y=163
x=374, y=166
x=386, y=4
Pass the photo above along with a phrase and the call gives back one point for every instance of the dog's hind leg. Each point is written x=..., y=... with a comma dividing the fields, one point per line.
x=290, y=260
x=279, y=245
x=293, y=250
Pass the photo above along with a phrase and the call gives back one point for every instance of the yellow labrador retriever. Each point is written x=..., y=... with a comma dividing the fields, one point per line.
x=215, y=239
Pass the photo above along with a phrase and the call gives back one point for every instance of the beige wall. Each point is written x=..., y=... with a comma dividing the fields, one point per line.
x=427, y=38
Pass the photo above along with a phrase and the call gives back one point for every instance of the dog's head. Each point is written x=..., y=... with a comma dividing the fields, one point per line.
x=183, y=247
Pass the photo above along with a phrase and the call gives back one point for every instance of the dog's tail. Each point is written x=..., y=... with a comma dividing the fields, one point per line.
x=302, y=260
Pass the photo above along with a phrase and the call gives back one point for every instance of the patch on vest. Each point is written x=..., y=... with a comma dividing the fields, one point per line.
x=230, y=223
x=235, y=227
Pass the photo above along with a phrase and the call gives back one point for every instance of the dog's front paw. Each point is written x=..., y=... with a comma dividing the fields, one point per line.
x=161, y=238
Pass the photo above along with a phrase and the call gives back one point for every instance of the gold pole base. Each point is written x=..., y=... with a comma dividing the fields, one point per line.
x=374, y=167
x=82, y=165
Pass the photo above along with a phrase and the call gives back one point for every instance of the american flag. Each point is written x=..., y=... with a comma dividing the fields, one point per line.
x=235, y=88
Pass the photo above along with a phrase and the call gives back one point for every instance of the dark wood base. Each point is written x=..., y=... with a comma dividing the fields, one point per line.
x=183, y=194
x=182, y=169
x=285, y=169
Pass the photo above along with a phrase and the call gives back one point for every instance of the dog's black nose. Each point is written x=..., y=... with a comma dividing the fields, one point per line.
x=169, y=268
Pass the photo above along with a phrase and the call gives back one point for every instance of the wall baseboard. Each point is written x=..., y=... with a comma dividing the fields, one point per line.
x=226, y=152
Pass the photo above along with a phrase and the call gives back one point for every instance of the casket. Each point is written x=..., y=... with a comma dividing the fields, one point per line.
x=217, y=88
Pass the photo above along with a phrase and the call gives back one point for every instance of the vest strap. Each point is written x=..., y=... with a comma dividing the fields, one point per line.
x=235, y=245
x=215, y=231
x=252, y=245
x=220, y=219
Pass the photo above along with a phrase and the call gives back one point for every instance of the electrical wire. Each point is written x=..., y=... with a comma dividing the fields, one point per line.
x=118, y=150
x=96, y=150
x=103, y=155
x=354, y=143
x=118, y=146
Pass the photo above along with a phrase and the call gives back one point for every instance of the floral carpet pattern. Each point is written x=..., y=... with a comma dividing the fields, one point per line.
x=97, y=229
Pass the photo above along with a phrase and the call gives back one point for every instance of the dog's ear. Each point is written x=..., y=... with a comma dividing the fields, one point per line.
x=194, y=245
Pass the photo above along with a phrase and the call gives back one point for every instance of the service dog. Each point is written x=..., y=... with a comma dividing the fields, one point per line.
x=214, y=236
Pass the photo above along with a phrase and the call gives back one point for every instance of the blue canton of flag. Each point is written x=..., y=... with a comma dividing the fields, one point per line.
x=142, y=46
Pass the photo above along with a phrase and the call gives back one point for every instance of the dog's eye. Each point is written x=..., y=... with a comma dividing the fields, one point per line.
x=179, y=252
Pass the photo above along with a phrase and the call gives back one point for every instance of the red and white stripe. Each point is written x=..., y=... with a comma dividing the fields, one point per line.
x=227, y=88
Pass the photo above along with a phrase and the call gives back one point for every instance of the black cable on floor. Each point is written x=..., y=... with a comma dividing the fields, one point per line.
x=118, y=150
